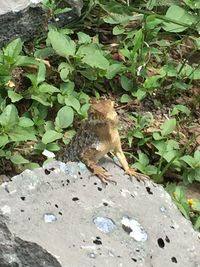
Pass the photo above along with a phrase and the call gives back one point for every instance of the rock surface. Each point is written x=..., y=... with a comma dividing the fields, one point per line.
x=27, y=18
x=62, y=216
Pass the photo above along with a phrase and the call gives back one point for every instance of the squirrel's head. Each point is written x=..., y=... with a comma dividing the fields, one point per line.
x=103, y=110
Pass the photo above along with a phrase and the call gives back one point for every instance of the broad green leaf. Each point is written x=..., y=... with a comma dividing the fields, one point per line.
x=3, y=140
x=18, y=159
x=9, y=116
x=197, y=156
x=118, y=30
x=180, y=109
x=65, y=69
x=157, y=136
x=181, y=15
x=126, y=83
x=168, y=126
x=117, y=18
x=41, y=73
x=25, y=122
x=96, y=60
x=189, y=160
x=14, y=48
x=196, y=205
x=25, y=61
x=42, y=98
x=197, y=224
x=44, y=52
x=47, y=88
x=62, y=44
x=52, y=147
x=143, y=159
x=50, y=136
x=114, y=69
x=138, y=41
x=125, y=98
x=83, y=38
x=19, y=133
x=15, y=97
x=65, y=117
x=72, y=102
x=32, y=165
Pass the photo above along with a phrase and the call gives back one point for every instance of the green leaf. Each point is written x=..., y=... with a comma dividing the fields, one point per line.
x=9, y=117
x=189, y=160
x=83, y=38
x=96, y=60
x=114, y=69
x=3, y=140
x=125, y=98
x=65, y=117
x=47, y=88
x=181, y=15
x=138, y=41
x=52, y=147
x=127, y=84
x=18, y=159
x=25, y=60
x=14, y=96
x=72, y=102
x=180, y=108
x=43, y=99
x=197, y=224
x=14, y=48
x=19, y=133
x=63, y=45
x=65, y=69
x=32, y=165
x=41, y=73
x=25, y=122
x=168, y=126
x=50, y=136
x=118, y=30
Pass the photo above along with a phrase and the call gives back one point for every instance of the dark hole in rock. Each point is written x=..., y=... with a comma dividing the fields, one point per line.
x=135, y=260
x=99, y=188
x=47, y=172
x=79, y=173
x=137, y=250
x=56, y=205
x=23, y=198
x=173, y=259
x=22, y=210
x=132, y=196
x=81, y=177
x=149, y=190
x=172, y=227
x=98, y=237
x=127, y=229
x=97, y=242
x=84, y=185
x=105, y=203
x=118, y=256
x=75, y=198
x=68, y=181
x=95, y=183
x=60, y=213
x=167, y=239
x=161, y=242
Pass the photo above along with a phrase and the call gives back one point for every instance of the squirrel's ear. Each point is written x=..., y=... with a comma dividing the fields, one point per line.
x=112, y=104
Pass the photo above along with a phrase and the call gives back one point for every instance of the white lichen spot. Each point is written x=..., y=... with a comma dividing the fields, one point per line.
x=48, y=153
x=124, y=192
x=6, y=209
x=134, y=228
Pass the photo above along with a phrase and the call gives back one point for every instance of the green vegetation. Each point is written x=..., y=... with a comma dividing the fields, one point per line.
x=143, y=54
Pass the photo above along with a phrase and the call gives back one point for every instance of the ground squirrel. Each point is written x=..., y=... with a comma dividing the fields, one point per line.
x=95, y=138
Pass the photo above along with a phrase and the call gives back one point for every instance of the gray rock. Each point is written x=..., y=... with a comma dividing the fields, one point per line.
x=27, y=18
x=67, y=212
